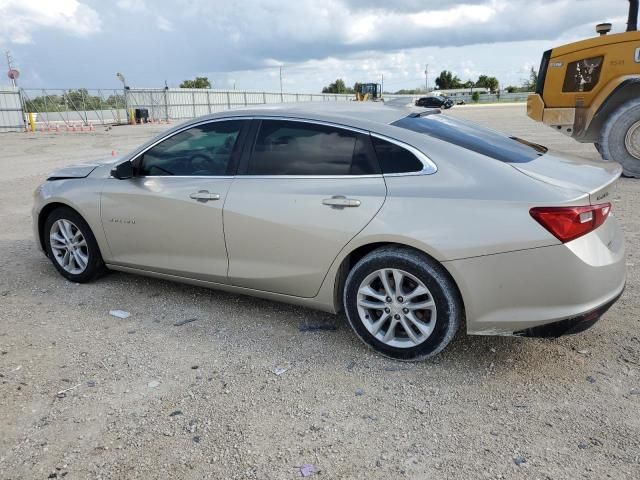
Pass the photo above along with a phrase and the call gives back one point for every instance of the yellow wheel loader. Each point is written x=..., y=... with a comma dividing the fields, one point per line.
x=590, y=90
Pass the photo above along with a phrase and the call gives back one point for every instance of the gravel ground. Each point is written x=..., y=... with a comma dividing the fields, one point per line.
x=143, y=397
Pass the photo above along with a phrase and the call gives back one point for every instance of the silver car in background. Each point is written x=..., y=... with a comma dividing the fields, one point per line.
x=412, y=222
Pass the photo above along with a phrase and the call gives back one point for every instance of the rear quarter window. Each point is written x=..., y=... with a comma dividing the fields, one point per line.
x=395, y=159
x=473, y=137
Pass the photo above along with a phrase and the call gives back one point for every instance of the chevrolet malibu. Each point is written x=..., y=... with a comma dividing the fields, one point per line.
x=412, y=222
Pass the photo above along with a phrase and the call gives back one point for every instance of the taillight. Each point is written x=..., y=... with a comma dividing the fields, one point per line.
x=569, y=223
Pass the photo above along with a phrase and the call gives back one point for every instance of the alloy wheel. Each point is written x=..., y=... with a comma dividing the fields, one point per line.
x=396, y=308
x=69, y=247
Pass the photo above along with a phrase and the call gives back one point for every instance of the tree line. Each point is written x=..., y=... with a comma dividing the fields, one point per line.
x=447, y=80
x=74, y=100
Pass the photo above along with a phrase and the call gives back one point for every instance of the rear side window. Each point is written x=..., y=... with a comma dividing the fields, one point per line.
x=395, y=159
x=299, y=148
x=473, y=137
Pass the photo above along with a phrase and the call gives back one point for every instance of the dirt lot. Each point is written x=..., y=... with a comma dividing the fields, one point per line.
x=148, y=399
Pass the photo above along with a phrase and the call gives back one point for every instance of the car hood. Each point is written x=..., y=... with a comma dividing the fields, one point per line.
x=574, y=173
x=81, y=170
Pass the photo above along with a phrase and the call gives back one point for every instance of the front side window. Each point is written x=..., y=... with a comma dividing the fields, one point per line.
x=203, y=150
x=285, y=147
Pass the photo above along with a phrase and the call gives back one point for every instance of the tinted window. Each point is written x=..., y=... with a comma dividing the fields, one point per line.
x=473, y=137
x=202, y=150
x=395, y=159
x=299, y=148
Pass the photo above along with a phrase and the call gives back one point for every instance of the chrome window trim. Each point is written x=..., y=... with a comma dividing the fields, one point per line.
x=429, y=167
x=209, y=177
x=290, y=177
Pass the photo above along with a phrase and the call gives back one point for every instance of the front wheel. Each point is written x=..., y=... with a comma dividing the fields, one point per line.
x=71, y=246
x=402, y=304
x=620, y=138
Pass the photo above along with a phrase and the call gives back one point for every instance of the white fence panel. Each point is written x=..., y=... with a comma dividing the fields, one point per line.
x=178, y=103
x=11, y=118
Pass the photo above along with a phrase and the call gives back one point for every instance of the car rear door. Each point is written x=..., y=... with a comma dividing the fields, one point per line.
x=302, y=194
x=168, y=218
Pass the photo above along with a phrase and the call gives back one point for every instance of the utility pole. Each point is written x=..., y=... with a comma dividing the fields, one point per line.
x=426, y=78
x=280, y=81
x=381, y=84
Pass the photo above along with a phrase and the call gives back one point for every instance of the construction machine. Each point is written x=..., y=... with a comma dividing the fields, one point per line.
x=368, y=91
x=590, y=90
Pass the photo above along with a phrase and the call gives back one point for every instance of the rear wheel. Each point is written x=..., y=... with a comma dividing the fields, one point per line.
x=71, y=246
x=402, y=304
x=620, y=139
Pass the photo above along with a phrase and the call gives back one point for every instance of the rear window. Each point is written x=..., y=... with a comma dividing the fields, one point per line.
x=473, y=137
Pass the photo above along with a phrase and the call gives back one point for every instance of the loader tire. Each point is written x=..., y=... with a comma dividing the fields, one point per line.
x=620, y=138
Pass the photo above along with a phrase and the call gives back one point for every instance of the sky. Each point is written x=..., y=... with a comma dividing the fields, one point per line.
x=243, y=43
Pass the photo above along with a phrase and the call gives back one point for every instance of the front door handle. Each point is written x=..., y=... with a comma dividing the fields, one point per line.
x=204, y=196
x=339, y=201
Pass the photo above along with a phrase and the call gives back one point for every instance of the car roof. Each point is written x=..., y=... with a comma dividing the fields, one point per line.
x=355, y=114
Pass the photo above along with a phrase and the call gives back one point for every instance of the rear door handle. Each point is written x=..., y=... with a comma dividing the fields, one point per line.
x=339, y=201
x=204, y=196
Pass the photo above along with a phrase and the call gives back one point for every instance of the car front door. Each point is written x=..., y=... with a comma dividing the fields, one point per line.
x=168, y=217
x=305, y=191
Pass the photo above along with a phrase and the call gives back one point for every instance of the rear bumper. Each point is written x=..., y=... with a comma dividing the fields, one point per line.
x=512, y=292
x=569, y=326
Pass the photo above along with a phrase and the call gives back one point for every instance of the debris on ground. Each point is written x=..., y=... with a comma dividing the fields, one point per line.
x=279, y=370
x=119, y=313
x=63, y=393
x=179, y=323
x=590, y=379
x=519, y=461
x=307, y=469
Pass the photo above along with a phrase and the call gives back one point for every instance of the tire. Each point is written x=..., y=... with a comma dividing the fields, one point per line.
x=438, y=323
x=77, y=271
x=614, y=140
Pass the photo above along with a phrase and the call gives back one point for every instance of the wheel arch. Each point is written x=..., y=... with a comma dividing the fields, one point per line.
x=617, y=95
x=44, y=214
x=359, y=252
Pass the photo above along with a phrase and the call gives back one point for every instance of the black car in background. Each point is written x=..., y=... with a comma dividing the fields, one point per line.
x=435, y=101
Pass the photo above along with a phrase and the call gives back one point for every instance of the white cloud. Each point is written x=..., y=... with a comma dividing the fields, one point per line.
x=132, y=5
x=164, y=24
x=20, y=18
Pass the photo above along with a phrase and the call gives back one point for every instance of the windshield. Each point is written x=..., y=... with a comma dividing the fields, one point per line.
x=473, y=137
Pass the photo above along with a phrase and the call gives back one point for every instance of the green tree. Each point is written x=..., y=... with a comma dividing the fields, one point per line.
x=447, y=80
x=337, y=87
x=531, y=83
x=475, y=97
x=198, y=82
x=485, y=81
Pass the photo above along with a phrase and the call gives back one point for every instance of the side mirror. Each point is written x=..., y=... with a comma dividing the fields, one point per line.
x=122, y=171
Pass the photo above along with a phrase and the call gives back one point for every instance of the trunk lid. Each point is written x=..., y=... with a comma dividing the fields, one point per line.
x=596, y=178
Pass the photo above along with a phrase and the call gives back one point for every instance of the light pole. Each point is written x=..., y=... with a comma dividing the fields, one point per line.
x=124, y=89
x=426, y=78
